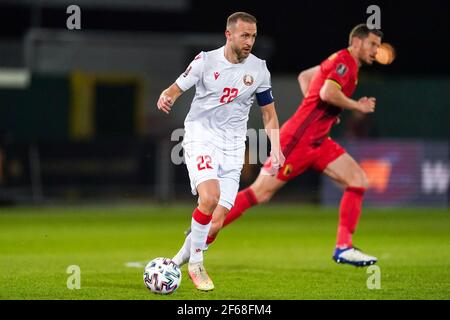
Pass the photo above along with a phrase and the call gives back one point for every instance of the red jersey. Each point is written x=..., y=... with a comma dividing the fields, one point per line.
x=314, y=118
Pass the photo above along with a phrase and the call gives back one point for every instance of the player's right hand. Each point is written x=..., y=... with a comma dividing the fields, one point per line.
x=276, y=162
x=366, y=105
x=165, y=103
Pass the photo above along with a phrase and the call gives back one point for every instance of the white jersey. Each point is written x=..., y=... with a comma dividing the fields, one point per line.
x=224, y=94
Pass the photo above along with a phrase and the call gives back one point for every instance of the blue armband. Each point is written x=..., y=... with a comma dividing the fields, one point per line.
x=264, y=98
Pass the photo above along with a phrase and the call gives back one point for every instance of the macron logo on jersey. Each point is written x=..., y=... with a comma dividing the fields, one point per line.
x=216, y=75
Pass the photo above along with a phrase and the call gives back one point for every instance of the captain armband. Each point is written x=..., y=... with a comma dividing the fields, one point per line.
x=264, y=98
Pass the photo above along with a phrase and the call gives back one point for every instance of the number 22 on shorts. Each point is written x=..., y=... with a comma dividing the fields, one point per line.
x=203, y=162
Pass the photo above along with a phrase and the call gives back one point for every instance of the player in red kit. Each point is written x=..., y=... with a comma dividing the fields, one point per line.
x=327, y=89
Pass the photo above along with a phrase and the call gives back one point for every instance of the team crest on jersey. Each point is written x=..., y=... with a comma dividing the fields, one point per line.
x=341, y=69
x=248, y=80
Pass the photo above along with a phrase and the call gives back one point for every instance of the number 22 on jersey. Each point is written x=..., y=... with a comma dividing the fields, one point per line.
x=229, y=94
x=203, y=162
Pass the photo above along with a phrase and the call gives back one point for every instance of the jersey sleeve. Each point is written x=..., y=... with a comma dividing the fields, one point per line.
x=340, y=73
x=263, y=93
x=193, y=73
x=266, y=83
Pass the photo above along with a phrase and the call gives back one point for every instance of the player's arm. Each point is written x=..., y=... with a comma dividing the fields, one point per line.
x=305, y=77
x=331, y=93
x=185, y=81
x=264, y=98
x=272, y=127
x=168, y=98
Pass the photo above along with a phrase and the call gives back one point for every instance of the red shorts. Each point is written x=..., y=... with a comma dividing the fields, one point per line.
x=304, y=156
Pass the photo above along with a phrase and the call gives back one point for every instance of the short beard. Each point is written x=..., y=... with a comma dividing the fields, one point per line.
x=240, y=55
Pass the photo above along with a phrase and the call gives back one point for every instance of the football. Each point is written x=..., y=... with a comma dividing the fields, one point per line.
x=162, y=276
x=385, y=54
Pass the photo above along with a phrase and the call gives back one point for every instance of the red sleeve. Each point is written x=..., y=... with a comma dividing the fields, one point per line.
x=339, y=72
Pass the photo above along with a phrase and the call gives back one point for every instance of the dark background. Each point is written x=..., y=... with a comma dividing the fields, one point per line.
x=413, y=93
x=304, y=31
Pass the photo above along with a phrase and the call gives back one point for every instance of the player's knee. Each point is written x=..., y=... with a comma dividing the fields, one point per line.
x=359, y=179
x=210, y=200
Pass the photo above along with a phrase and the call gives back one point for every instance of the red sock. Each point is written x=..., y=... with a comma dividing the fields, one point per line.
x=200, y=217
x=349, y=213
x=244, y=200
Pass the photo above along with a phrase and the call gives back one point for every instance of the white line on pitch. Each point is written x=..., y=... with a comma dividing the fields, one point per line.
x=134, y=264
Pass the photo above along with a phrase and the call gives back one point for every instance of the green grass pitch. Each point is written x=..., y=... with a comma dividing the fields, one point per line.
x=273, y=252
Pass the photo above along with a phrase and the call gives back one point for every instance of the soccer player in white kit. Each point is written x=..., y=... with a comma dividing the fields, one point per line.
x=227, y=80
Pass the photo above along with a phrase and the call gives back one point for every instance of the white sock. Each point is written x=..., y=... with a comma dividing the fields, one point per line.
x=183, y=255
x=199, y=233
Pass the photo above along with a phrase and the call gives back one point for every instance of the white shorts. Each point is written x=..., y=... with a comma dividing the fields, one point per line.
x=205, y=161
